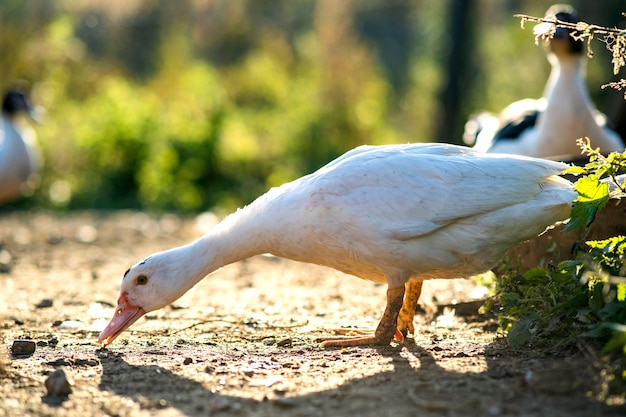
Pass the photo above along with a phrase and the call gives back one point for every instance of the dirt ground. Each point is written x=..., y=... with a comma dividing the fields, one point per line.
x=241, y=342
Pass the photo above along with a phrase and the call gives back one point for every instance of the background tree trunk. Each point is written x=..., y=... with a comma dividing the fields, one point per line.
x=458, y=69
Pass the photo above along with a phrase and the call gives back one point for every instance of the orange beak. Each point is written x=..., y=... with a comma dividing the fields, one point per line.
x=125, y=315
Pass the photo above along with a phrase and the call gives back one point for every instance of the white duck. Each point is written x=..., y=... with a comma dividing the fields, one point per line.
x=19, y=154
x=549, y=126
x=395, y=214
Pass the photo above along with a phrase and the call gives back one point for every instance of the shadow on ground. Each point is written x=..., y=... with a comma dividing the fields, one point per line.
x=415, y=384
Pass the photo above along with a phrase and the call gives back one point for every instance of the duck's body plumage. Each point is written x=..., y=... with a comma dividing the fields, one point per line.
x=19, y=153
x=398, y=214
x=390, y=214
x=549, y=126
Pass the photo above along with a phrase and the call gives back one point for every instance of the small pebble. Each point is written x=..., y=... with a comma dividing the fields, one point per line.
x=55, y=239
x=57, y=383
x=5, y=261
x=23, y=347
x=72, y=325
x=45, y=303
x=187, y=361
x=285, y=343
x=87, y=234
x=284, y=403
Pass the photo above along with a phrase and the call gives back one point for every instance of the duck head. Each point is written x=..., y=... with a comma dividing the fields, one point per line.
x=559, y=40
x=147, y=286
x=17, y=102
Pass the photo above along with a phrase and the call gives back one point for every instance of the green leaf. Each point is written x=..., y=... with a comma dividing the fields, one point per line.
x=592, y=196
x=486, y=307
x=583, y=214
x=537, y=274
x=591, y=189
x=570, y=265
x=509, y=299
x=575, y=170
x=621, y=292
x=618, y=341
x=519, y=335
x=596, y=297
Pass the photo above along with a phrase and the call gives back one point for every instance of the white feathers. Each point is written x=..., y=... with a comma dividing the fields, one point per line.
x=387, y=214
x=19, y=153
x=549, y=126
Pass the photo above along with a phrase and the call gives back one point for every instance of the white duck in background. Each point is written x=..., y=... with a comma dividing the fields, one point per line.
x=395, y=214
x=549, y=126
x=19, y=153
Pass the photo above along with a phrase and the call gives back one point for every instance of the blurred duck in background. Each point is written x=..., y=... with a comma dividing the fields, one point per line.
x=548, y=127
x=20, y=160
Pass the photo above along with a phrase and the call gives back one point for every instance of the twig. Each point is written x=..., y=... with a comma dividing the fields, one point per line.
x=613, y=38
x=199, y=323
x=267, y=326
x=583, y=27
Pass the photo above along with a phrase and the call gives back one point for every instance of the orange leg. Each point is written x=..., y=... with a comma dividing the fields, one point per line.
x=413, y=289
x=386, y=327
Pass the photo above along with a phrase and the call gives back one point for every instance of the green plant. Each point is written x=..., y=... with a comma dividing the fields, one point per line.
x=584, y=297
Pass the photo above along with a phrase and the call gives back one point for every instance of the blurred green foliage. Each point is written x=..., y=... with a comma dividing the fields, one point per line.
x=191, y=105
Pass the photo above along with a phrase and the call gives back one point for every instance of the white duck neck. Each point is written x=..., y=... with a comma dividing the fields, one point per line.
x=239, y=236
x=11, y=133
x=567, y=71
x=568, y=100
x=13, y=147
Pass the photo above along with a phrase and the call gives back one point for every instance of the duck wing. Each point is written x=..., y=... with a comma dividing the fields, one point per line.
x=413, y=190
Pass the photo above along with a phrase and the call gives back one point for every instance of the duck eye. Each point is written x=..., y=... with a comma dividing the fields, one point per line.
x=142, y=280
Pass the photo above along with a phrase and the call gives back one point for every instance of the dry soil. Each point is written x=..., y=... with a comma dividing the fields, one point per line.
x=241, y=342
